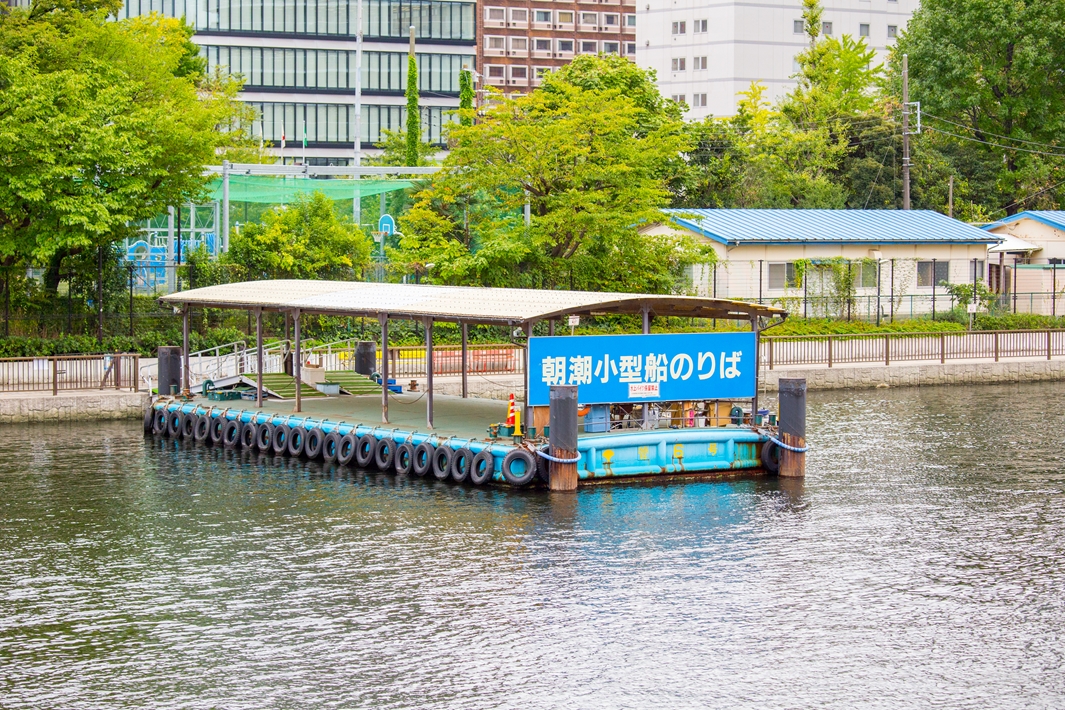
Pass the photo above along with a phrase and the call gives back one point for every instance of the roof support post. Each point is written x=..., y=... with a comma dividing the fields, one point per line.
x=646, y=312
x=429, y=371
x=223, y=243
x=525, y=402
x=551, y=327
x=465, y=358
x=756, y=327
x=185, y=349
x=297, y=360
x=259, y=358
x=383, y=320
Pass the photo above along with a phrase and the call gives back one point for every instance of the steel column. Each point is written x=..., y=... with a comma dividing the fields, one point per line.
x=383, y=320
x=259, y=358
x=185, y=349
x=297, y=360
x=429, y=371
x=465, y=359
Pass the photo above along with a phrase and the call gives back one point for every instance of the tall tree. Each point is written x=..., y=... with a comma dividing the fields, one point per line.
x=466, y=97
x=414, y=119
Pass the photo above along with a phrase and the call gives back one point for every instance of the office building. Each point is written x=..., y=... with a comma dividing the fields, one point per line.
x=706, y=53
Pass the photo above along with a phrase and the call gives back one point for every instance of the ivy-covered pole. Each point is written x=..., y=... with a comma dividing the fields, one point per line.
x=465, y=96
x=414, y=122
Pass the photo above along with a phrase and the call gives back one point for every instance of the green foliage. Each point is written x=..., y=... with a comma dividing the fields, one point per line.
x=144, y=344
x=466, y=97
x=833, y=326
x=304, y=240
x=414, y=118
x=963, y=293
x=1018, y=321
x=394, y=147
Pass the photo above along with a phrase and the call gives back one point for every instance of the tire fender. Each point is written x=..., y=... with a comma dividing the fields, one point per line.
x=515, y=475
x=279, y=438
x=770, y=456
x=423, y=458
x=297, y=440
x=482, y=468
x=312, y=447
x=461, y=465
x=404, y=459
x=442, y=458
x=384, y=454
x=348, y=446
x=364, y=450
x=330, y=447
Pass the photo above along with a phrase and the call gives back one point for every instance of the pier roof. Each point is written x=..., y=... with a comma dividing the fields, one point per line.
x=509, y=306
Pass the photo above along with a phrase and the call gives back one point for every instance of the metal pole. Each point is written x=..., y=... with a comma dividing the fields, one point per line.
x=1054, y=290
x=933, y=289
x=356, y=200
x=760, y=280
x=878, y=270
x=171, y=274
x=646, y=405
x=259, y=358
x=715, y=292
x=905, y=132
x=383, y=320
x=528, y=409
x=131, y=267
x=185, y=349
x=223, y=243
x=757, y=366
x=99, y=293
x=1013, y=284
x=429, y=371
x=465, y=359
x=972, y=317
x=297, y=364
x=892, y=289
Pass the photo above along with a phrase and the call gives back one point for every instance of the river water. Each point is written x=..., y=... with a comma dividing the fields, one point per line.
x=920, y=564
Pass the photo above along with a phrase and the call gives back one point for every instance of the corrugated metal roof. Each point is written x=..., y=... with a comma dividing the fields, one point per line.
x=1013, y=244
x=772, y=226
x=1051, y=218
x=452, y=303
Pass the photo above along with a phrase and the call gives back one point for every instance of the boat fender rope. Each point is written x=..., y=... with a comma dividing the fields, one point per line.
x=549, y=457
x=787, y=447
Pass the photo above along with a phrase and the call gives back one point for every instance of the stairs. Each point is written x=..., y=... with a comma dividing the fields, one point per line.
x=352, y=382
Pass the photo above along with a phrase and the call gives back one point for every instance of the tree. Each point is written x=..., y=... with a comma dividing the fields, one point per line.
x=466, y=97
x=304, y=240
x=394, y=146
x=414, y=122
x=988, y=73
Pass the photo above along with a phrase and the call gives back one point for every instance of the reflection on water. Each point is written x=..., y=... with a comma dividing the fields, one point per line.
x=919, y=563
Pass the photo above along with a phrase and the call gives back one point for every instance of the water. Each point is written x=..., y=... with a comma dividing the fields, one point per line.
x=920, y=564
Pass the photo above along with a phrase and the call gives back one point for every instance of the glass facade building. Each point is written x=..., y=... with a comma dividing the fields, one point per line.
x=331, y=124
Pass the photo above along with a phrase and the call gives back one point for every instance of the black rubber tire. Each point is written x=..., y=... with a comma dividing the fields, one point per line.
x=149, y=419
x=348, y=445
x=461, y=465
x=519, y=478
x=330, y=447
x=231, y=431
x=364, y=450
x=216, y=428
x=202, y=431
x=543, y=466
x=247, y=435
x=264, y=437
x=188, y=427
x=404, y=461
x=442, y=458
x=279, y=438
x=297, y=440
x=159, y=421
x=770, y=456
x=423, y=458
x=384, y=454
x=482, y=468
x=312, y=447
x=175, y=424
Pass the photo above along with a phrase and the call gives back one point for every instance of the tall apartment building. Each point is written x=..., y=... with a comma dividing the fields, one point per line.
x=298, y=61
x=705, y=53
x=519, y=40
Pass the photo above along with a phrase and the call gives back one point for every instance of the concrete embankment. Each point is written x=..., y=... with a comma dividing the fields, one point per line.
x=81, y=405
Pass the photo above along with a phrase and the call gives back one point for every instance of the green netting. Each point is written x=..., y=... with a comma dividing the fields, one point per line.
x=265, y=189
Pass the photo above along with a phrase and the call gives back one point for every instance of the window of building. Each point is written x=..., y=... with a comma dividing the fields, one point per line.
x=519, y=15
x=542, y=45
x=519, y=43
x=798, y=27
x=863, y=30
x=679, y=63
x=680, y=28
x=539, y=72
x=590, y=18
x=542, y=16
x=610, y=19
x=699, y=100
x=611, y=48
x=630, y=20
x=678, y=99
x=699, y=63
x=565, y=17
x=866, y=276
x=977, y=270
x=565, y=45
x=519, y=72
x=588, y=47
x=826, y=28
x=497, y=13
x=495, y=71
x=892, y=31
x=630, y=48
x=783, y=275
x=494, y=42
x=924, y=272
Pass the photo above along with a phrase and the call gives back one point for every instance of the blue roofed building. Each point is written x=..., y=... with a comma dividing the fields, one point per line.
x=1029, y=260
x=802, y=258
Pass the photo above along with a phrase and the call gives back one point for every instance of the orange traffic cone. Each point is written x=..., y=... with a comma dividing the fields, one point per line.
x=511, y=409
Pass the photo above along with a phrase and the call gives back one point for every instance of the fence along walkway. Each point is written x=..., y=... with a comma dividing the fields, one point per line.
x=69, y=372
x=887, y=348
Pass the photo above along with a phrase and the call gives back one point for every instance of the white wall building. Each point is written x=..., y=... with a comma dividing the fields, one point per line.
x=705, y=52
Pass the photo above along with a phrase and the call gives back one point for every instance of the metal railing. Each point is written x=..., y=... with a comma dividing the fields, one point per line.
x=495, y=359
x=69, y=372
x=887, y=348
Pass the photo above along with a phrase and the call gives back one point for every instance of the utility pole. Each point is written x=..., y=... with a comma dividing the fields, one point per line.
x=905, y=132
x=356, y=200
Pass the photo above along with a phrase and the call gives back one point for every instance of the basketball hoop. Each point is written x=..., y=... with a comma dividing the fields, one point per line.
x=378, y=236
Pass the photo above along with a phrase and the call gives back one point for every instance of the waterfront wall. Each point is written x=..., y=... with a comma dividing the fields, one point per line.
x=923, y=374
x=85, y=405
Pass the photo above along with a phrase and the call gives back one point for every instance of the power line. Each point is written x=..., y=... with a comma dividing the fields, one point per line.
x=997, y=145
x=988, y=133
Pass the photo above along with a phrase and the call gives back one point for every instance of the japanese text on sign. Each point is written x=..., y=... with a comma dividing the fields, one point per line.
x=622, y=368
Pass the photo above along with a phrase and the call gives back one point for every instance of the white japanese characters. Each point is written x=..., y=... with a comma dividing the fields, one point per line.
x=634, y=369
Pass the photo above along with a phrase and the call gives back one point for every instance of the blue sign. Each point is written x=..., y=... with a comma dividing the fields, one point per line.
x=644, y=368
x=386, y=224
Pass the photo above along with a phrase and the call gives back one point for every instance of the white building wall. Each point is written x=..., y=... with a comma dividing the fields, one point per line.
x=745, y=42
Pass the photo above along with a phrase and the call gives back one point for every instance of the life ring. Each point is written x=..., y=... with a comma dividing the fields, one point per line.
x=364, y=450
x=583, y=411
x=330, y=447
x=519, y=474
x=482, y=468
x=404, y=459
x=202, y=431
x=423, y=458
x=264, y=436
x=442, y=462
x=770, y=456
x=297, y=439
x=217, y=429
x=312, y=449
x=231, y=434
x=279, y=438
x=461, y=465
x=384, y=454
